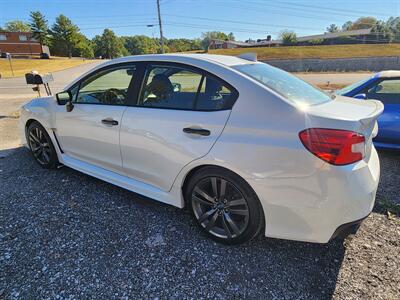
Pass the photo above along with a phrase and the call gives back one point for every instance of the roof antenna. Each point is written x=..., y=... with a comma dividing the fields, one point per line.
x=251, y=56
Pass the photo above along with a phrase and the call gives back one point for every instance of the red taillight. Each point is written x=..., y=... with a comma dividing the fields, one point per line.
x=337, y=147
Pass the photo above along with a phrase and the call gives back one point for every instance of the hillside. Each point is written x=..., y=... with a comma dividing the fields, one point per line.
x=328, y=51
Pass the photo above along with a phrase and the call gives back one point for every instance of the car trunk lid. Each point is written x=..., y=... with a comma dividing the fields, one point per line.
x=347, y=114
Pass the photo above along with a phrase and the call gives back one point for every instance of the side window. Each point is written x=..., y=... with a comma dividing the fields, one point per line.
x=387, y=91
x=180, y=88
x=170, y=87
x=214, y=95
x=106, y=87
x=386, y=87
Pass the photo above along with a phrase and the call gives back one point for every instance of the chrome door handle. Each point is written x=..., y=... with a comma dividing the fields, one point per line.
x=199, y=131
x=109, y=122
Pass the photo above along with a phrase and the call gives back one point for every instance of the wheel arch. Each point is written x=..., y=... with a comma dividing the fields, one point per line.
x=189, y=174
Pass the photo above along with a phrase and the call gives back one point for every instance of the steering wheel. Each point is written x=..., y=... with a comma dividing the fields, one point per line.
x=114, y=96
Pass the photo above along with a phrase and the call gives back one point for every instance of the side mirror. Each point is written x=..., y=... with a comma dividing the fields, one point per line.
x=65, y=98
x=360, y=96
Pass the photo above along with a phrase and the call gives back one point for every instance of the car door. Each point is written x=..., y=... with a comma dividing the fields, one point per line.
x=388, y=91
x=90, y=132
x=180, y=114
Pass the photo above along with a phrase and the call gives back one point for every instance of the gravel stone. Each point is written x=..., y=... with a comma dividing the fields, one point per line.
x=66, y=235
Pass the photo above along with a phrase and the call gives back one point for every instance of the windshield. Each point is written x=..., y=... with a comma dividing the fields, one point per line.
x=292, y=88
x=351, y=87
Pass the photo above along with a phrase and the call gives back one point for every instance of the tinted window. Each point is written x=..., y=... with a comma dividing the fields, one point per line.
x=106, y=87
x=170, y=87
x=292, y=88
x=387, y=91
x=213, y=95
x=181, y=88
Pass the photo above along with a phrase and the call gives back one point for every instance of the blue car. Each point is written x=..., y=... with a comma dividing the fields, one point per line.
x=385, y=87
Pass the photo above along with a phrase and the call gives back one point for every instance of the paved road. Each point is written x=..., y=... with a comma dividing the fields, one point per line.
x=333, y=78
x=14, y=91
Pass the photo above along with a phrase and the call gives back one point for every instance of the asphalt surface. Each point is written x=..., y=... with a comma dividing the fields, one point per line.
x=14, y=91
x=66, y=235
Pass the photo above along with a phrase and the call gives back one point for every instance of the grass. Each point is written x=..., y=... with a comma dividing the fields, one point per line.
x=328, y=51
x=22, y=66
x=389, y=206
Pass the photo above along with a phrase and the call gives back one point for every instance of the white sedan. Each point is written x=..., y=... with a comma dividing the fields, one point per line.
x=246, y=147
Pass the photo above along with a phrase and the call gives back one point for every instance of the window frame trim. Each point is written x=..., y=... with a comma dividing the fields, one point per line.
x=202, y=72
x=375, y=83
x=134, y=95
x=131, y=89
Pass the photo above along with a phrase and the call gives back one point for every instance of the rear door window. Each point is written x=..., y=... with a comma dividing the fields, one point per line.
x=177, y=87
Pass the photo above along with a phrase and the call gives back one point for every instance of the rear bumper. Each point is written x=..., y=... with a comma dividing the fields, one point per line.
x=313, y=208
x=346, y=229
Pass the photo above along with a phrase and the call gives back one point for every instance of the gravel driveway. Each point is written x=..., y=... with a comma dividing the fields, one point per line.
x=66, y=235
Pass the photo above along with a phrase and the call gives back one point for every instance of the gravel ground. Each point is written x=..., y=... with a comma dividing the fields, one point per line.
x=66, y=235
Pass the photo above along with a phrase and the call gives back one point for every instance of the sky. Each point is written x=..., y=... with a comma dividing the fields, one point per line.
x=189, y=18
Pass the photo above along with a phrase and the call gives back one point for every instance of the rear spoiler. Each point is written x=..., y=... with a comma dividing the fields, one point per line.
x=251, y=56
x=378, y=111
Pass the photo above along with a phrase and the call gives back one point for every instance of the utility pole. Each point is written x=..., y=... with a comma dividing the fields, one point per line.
x=160, y=24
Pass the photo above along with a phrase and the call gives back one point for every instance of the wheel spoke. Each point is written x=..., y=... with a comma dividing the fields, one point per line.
x=34, y=137
x=35, y=149
x=232, y=223
x=211, y=223
x=214, y=186
x=40, y=134
x=202, y=201
x=206, y=215
x=226, y=227
x=204, y=194
x=37, y=153
x=46, y=156
x=222, y=189
x=240, y=201
x=242, y=212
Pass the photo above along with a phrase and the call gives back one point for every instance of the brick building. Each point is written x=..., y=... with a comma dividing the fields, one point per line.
x=20, y=44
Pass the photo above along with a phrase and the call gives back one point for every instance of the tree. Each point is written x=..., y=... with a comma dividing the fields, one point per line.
x=39, y=27
x=231, y=37
x=207, y=37
x=84, y=47
x=17, y=26
x=363, y=23
x=141, y=44
x=381, y=32
x=332, y=28
x=181, y=45
x=346, y=26
x=288, y=37
x=108, y=45
x=65, y=36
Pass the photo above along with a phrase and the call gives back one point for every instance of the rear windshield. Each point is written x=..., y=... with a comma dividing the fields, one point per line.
x=292, y=88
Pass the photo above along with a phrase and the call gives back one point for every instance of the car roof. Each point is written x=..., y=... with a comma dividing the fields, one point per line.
x=185, y=58
x=389, y=74
x=226, y=60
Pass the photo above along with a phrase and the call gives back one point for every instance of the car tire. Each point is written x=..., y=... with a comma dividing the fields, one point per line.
x=224, y=206
x=41, y=146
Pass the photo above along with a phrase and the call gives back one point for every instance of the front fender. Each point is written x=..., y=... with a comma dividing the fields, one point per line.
x=41, y=110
